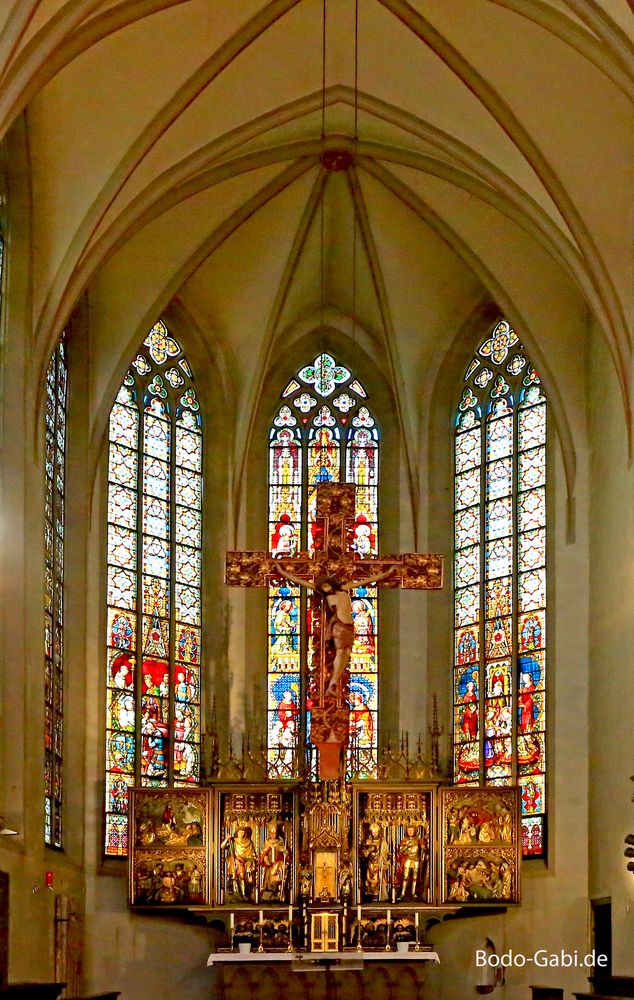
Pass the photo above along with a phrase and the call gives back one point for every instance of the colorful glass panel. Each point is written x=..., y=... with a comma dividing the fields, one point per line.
x=467, y=527
x=54, y=473
x=284, y=629
x=466, y=606
x=499, y=438
x=500, y=580
x=467, y=489
x=286, y=509
x=123, y=466
x=467, y=566
x=468, y=450
x=187, y=604
x=498, y=557
x=285, y=460
x=499, y=478
x=188, y=575
x=285, y=491
x=154, y=580
x=323, y=455
x=324, y=374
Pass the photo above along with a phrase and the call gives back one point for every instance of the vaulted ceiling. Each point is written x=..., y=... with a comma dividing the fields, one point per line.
x=217, y=154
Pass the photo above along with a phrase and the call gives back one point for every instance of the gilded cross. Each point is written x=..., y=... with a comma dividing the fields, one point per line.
x=334, y=560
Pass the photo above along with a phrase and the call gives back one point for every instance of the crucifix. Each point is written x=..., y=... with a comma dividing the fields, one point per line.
x=331, y=572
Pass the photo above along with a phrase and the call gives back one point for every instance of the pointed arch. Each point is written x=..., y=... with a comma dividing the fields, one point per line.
x=154, y=555
x=322, y=431
x=499, y=684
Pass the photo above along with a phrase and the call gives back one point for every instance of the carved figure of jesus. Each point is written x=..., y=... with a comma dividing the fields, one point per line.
x=339, y=620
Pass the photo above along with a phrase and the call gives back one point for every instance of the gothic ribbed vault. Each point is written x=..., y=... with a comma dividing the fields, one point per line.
x=177, y=155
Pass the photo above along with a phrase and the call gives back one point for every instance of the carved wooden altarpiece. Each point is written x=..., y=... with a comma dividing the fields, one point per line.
x=293, y=847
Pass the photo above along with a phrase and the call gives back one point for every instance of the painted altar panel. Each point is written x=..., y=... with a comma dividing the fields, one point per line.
x=395, y=837
x=171, y=838
x=480, y=846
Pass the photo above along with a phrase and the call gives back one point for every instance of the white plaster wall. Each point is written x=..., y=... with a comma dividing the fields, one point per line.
x=145, y=957
x=25, y=857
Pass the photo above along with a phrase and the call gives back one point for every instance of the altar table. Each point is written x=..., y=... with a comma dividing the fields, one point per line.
x=348, y=975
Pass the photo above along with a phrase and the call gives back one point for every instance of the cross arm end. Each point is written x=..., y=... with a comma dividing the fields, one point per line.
x=247, y=569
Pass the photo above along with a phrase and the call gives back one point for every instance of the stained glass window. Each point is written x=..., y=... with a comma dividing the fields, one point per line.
x=322, y=432
x=154, y=580
x=54, y=463
x=500, y=579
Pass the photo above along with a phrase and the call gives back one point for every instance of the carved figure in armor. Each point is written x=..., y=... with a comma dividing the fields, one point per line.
x=376, y=854
x=240, y=863
x=410, y=853
x=273, y=864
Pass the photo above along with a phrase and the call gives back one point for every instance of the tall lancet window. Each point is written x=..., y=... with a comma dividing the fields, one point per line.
x=154, y=580
x=500, y=579
x=322, y=432
x=54, y=469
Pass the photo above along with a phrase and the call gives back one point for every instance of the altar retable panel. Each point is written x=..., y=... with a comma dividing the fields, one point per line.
x=369, y=845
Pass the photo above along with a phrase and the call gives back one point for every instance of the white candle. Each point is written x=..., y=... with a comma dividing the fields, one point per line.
x=261, y=916
x=359, y=914
x=389, y=917
x=290, y=914
x=416, y=920
x=231, y=924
